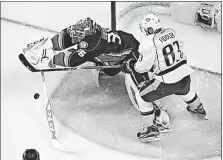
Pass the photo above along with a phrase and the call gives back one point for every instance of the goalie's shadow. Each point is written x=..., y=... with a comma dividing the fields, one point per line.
x=82, y=92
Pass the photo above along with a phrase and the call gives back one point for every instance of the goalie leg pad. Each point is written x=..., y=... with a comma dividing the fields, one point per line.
x=134, y=95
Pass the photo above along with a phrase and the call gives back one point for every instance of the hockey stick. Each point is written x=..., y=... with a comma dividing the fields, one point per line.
x=50, y=118
x=23, y=59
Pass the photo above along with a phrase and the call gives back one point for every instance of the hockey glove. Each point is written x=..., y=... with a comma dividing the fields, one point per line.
x=128, y=66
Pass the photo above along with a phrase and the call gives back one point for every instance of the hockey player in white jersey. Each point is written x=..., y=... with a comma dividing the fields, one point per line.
x=163, y=59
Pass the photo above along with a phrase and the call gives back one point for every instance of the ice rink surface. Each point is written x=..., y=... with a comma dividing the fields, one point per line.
x=104, y=115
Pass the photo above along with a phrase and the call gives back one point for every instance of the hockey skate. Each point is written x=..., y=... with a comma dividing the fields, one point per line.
x=149, y=134
x=162, y=121
x=199, y=111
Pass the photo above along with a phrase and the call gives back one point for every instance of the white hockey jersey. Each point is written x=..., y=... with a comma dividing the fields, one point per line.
x=163, y=53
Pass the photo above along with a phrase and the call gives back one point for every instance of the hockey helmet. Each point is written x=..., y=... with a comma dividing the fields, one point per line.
x=31, y=154
x=81, y=29
x=149, y=24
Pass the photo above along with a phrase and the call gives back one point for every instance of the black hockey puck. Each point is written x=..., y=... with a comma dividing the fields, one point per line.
x=36, y=95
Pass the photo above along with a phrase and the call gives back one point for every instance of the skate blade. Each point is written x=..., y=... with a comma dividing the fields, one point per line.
x=150, y=139
x=205, y=117
x=199, y=116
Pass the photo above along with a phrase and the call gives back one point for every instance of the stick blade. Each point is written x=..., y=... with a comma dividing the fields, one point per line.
x=26, y=63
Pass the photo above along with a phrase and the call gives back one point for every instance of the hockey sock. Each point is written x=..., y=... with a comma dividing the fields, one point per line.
x=148, y=117
x=191, y=99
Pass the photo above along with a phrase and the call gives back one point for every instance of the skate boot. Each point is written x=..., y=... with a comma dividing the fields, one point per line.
x=161, y=120
x=149, y=134
x=198, y=111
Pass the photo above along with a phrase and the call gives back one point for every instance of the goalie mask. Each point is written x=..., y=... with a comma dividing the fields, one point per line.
x=81, y=29
x=149, y=24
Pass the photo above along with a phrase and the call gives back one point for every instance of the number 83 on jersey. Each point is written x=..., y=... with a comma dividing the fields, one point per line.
x=172, y=52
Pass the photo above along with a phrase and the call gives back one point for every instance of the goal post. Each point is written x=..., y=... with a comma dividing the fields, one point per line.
x=113, y=15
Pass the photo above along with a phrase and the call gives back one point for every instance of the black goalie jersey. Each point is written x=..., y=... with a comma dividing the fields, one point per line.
x=88, y=41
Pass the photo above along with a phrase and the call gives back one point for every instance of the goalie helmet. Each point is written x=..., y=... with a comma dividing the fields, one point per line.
x=31, y=154
x=150, y=24
x=83, y=28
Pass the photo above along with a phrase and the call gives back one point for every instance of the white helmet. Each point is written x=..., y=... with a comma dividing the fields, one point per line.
x=149, y=24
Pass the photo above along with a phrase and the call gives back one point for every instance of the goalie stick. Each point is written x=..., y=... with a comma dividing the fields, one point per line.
x=23, y=59
x=50, y=119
